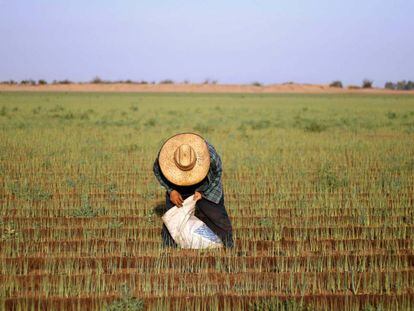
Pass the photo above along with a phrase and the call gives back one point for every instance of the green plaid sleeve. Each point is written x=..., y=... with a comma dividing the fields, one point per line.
x=212, y=189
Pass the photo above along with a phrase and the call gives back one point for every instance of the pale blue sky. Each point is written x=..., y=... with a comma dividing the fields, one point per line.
x=232, y=41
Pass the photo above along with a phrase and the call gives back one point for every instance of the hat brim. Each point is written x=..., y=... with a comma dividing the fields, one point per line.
x=172, y=172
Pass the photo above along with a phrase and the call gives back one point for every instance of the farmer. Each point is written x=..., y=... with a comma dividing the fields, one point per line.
x=186, y=165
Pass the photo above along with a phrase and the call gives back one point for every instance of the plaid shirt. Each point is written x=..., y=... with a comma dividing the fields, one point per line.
x=212, y=188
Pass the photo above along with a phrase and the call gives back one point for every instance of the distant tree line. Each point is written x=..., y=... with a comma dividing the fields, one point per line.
x=367, y=84
x=400, y=85
x=98, y=80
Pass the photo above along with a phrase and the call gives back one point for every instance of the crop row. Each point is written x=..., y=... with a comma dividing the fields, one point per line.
x=258, y=210
x=138, y=246
x=346, y=301
x=269, y=233
x=386, y=281
x=345, y=261
x=238, y=220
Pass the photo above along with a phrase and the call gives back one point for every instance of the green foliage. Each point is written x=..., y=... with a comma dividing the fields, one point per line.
x=391, y=115
x=28, y=82
x=9, y=82
x=3, y=111
x=390, y=85
x=66, y=81
x=203, y=128
x=167, y=81
x=400, y=85
x=127, y=302
x=276, y=304
x=115, y=224
x=8, y=231
x=370, y=307
x=265, y=222
x=150, y=122
x=367, y=84
x=112, y=190
x=329, y=179
x=86, y=209
x=256, y=124
x=315, y=127
x=97, y=80
x=134, y=108
x=311, y=213
x=29, y=192
x=336, y=83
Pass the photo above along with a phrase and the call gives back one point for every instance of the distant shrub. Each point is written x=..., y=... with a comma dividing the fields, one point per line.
x=3, y=111
x=260, y=124
x=66, y=81
x=405, y=85
x=255, y=124
x=336, y=83
x=400, y=85
x=143, y=82
x=391, y=115
x=167, y=81
x=42, y=82
x=354, y=87
x=256, y=83
x=9, y=82
x=367, y=84
x=150, y=122
x=390, y=85
x=97, y=80
x=28, y=82
x=203, y=128
x=315, y=127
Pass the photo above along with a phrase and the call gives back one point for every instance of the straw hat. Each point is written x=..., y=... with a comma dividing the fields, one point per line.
x=184, y=159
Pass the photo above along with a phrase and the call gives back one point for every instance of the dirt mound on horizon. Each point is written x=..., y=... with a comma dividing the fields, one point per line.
x=193, y=88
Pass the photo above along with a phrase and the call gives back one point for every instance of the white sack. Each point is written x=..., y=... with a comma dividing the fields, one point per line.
x=187, y=230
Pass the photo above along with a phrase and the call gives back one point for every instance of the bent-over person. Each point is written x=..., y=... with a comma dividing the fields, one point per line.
x=189, y=165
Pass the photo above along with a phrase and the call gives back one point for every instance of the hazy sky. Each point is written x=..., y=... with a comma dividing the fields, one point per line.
x=232, y=41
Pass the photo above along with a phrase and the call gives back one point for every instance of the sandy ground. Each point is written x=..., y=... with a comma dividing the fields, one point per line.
x=194, y=88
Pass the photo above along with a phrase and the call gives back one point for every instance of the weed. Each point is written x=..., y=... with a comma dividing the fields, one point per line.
x=29, y=192
x=86, y=209
x=274, y=303
x=127, y=302
x=315, y=127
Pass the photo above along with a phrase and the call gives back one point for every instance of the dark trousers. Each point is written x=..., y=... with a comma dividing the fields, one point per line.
x=213, y=215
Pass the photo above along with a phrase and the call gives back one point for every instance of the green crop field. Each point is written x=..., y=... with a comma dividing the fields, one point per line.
x=319, y=188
